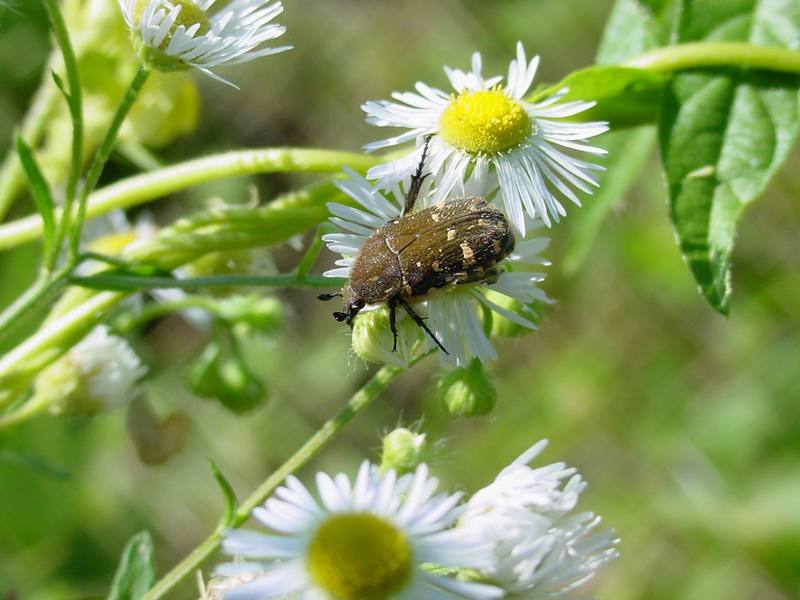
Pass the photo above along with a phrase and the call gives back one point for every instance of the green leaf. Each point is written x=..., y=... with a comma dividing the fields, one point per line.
x=231, y=504
x=633, y=27
x=41, y=195
x=135, y=572
x=625, y=97
x=725, y=132
x=628, y=153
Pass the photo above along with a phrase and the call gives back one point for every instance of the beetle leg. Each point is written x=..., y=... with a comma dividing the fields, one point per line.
x=421, y=322
x=416, y=180
x=393, y=323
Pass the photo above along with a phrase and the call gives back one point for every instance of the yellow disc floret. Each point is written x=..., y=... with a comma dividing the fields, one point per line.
x=485, y=122
x=359, y=556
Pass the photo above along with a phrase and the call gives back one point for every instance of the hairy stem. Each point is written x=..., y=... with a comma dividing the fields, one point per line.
x=162, y=182
x=102, y=154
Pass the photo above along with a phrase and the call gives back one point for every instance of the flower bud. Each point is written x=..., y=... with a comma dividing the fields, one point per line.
x=227, y=380
x=98, y=374
x=403, y=450
x=263, y=314
x=468, y=391
x=373, y=340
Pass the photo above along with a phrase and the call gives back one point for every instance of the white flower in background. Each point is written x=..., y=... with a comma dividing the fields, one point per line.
x=184, y=34
x=489, y=131
x=452, y=313
x=100, y=373
x=541, y=547
x=366, y=539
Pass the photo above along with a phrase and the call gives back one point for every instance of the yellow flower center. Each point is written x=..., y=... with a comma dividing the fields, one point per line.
x=359, y=557
x=484, y=122
x=190, y=15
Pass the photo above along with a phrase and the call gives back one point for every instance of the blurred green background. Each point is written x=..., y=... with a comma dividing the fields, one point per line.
x=686, y=424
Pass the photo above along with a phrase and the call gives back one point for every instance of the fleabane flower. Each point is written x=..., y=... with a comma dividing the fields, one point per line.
x=100, y=373
x=489, y=130
x=174, y=35
x=455, y=312
x=542, y=548
x=365, y=539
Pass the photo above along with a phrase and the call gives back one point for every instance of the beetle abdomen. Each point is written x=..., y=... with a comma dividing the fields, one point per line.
x=459, y=241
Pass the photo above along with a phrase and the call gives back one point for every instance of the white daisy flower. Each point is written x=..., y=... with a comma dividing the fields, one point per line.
x=541, y=548
x=372, y=539
x=453, y=313
x=490, y=130
x=187, y=34
x=100, y=373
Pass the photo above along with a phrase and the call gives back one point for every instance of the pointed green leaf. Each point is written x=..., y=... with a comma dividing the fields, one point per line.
x=135, y=572
x=41, y=195
x=725, y=132
x=231, y=504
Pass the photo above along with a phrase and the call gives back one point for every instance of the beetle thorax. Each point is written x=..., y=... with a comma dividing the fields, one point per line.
x=375, y=275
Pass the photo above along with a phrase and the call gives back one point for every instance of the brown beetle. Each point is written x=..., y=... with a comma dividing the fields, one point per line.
x=454, y=242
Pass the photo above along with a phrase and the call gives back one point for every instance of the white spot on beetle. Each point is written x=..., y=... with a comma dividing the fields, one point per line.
x=469, y=255
x=451, y=235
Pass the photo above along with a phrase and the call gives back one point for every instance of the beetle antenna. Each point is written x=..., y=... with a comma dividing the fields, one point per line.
x=329, y=296
x=421, y=322
x=417, y=179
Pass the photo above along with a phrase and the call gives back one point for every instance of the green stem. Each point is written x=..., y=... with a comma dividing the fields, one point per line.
x=128, y=322
x=41, y=291
x=162, y=182
x=131, y=283
x=717, y=54
x=20, y=365
x=100, y=158
x=74, y=100
x=357, y=403
x=310, y=257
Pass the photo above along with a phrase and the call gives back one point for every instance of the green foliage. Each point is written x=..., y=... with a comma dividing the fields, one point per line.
x=724, y=134
x=41, y=194
x=224, y=377
x=628, y=153
x=633, y=27
x=231, y=504
x=135, y=572
x=625, y=97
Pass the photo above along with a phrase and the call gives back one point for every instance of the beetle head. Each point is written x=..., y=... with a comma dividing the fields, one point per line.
x=352, y=309
x=352, y=306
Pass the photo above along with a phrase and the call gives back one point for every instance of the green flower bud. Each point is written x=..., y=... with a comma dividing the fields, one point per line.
x=373, y=340
x=263, y=314
x=227, y=380
x=402, y=450
x=468, y=391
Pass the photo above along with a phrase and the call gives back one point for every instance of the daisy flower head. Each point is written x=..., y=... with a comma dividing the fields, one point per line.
x=450, y=305
x=173, y=35
x=364, y=539
x=100, y=373
x=489, y=130
x=542, y=548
